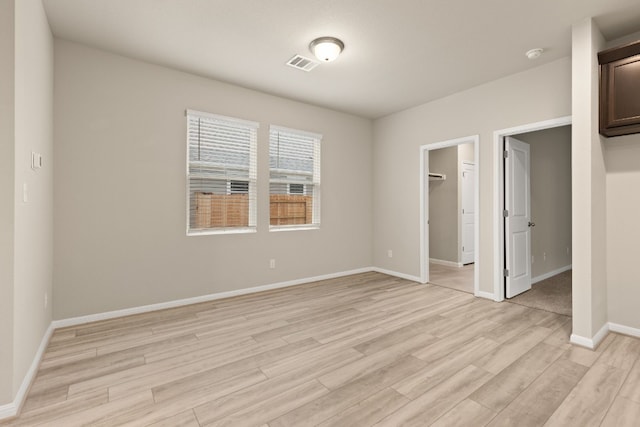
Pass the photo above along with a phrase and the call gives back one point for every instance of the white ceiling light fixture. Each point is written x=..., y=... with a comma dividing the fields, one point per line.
x=326, y=49
x=534, y=53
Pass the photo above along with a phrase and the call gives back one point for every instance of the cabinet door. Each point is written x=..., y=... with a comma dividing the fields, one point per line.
x=620, y=97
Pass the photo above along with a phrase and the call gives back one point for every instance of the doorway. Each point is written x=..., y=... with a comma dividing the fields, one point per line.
x=449, y=230
x=532, y=227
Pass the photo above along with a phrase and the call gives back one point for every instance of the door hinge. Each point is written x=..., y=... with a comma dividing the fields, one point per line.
x=505, y=154
x=505, y=272
x=505, y=213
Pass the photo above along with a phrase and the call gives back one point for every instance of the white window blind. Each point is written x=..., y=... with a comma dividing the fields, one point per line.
x=294, y=178
x=221, y=173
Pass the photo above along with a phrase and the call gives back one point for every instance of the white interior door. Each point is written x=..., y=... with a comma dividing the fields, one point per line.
x=468, y=212
x=517, y=195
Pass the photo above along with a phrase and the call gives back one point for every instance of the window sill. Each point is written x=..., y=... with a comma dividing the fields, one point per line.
x=277, y=228
x=209, y=232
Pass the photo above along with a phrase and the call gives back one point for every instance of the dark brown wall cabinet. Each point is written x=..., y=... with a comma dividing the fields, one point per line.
x=620, y=90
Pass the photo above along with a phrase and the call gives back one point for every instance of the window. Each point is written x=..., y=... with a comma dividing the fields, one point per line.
x=294, y=178
x=296, y=189
x=236, y=187
x=221, y=174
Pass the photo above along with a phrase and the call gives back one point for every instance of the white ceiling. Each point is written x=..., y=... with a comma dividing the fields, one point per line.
x=398, y=54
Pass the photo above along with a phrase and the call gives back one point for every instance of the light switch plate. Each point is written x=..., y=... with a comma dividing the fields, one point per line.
x=36, y=160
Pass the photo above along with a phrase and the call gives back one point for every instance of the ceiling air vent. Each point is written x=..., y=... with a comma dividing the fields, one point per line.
x=302, y=63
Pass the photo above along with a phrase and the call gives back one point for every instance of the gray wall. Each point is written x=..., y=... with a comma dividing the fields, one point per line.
x=550, y=175
x=120, y=188
x=480, y=110
x=26, y=239
x=466, y=153
x=6, y=197
x=443, y=205
x=34, y=219
x=588, y=175
x=623, y=229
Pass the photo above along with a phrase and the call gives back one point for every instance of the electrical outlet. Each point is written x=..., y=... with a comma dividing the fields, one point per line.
x=46, y=300
x=544, y=256
x=390, y=253
x=272, y=263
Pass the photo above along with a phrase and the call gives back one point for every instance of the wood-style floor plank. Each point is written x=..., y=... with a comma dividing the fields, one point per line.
x=367, y=349
x=466, y=413
x=349, y=394
x=438, y=400
x=623, y=412
x=537, y=402
x=503, y=388
x=589, y=401
x=183, y=419
x=368, y=411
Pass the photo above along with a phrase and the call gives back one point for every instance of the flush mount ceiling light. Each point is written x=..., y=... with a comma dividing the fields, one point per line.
x=326, y=49
x=534, y=53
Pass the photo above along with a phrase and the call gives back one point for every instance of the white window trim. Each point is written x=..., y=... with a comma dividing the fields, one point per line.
x=297, y=227
x=296, y=131
x=220, y=117
x=211, y=231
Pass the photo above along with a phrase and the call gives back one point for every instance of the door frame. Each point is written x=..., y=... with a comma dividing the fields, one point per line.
x=498, y=192
x=424, y=205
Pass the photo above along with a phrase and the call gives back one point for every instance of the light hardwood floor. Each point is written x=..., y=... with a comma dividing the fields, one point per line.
x=356, y=351
x=460, y=278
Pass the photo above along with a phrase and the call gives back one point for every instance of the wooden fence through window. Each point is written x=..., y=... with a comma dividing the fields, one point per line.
x=291, y=209
x=232, y=210
x=222, y=210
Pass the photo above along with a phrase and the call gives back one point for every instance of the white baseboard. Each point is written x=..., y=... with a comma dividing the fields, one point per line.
x=74, y=321
x=446, y=263
x=11, y=409
x=8, y=410
x=590, y=343
x=487, y=295
x=555, y=272
x=626, y=330
x=396, y=274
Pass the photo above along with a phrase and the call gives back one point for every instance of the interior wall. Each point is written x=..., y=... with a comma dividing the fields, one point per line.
x=589, y=298
x=443, y=205
x=466, y=153
x=6, y=198
x=120, y=183
x=480, y=110
x=33, y=268
x=623, y=231
x=550, y=176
